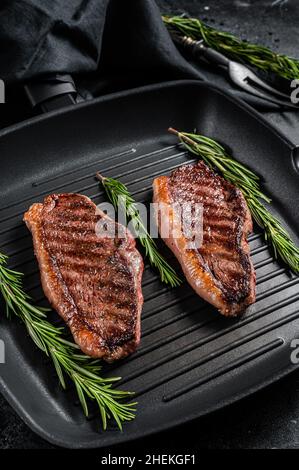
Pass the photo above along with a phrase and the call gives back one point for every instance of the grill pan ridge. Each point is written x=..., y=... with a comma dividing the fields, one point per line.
x=191, y=360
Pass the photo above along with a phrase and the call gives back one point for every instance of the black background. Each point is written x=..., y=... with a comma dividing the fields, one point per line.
x=269, y=419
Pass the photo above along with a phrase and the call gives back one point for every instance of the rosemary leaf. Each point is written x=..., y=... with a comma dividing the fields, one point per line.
x=81, y=369
x=117, y=193
x=259, y=56
x=216, y=157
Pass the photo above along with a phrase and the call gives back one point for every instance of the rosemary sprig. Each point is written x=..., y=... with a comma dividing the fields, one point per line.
x=259, y=56
x=81, y=369
x=118, y=193
x=215, y=156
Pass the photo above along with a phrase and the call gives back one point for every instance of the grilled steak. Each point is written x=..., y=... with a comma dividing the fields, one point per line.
x=220, y=270
x=93, y=282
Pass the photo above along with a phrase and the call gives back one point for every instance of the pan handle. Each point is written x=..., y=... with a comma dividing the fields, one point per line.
x=52, y=92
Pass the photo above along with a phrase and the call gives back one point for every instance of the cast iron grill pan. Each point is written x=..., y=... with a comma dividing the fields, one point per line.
x=191, y=359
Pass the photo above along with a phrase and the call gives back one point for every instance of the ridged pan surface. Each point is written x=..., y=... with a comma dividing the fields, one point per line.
x=191, y=360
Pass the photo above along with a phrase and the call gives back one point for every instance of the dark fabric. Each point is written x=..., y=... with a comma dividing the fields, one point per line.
x=103, y=44
x=107, y=45
x=43, y=36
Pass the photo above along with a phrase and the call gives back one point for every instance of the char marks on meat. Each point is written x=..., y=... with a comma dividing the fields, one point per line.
x=220, y=270
x=93, y=282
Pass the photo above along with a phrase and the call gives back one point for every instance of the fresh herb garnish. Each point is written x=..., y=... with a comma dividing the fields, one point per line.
x=259, y=56
x=81, y=369
x=118, y=193
x=216, y=157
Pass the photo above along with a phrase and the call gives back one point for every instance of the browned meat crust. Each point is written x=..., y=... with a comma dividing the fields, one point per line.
x=94, y=283
x=220, y=270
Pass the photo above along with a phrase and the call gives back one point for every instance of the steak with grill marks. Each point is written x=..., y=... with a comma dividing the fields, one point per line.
x=220, y=270
x=93, y=282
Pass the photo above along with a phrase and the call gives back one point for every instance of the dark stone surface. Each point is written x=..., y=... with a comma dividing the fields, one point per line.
x=269, y=419
x=268, y=22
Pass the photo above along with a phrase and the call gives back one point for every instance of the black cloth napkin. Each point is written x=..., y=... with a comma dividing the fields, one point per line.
x=106, y=45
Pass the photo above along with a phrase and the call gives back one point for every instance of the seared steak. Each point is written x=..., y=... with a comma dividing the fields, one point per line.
x=220, y=270
x=93, y=282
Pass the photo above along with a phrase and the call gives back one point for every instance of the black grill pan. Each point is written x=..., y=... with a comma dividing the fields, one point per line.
x=191, y=360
